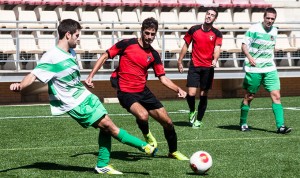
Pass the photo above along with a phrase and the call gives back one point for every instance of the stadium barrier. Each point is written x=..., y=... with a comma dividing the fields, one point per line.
x=28, y=29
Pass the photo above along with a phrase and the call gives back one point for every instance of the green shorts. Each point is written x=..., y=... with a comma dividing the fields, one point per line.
x=270, y=81
x=89, y=111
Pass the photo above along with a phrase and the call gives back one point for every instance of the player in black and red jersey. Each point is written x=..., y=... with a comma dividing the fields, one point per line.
x=207, y=42
x=136, y=57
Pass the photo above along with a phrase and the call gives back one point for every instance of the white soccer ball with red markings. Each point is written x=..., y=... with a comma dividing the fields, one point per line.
x=200, y=162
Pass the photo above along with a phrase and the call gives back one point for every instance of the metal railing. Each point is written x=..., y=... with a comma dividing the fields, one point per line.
x=23, y=57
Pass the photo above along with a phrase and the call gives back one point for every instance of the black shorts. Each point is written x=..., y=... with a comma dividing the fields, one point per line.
x=114, y=81
x=200, y=77
x=145, y=98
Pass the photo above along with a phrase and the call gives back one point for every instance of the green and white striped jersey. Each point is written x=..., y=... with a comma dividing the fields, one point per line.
x=261, y=46
x=60, y=70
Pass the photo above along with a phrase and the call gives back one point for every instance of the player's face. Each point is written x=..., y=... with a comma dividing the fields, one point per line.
x=73, y=39
x=269, y=20
x=210, y=17
x=148, y=35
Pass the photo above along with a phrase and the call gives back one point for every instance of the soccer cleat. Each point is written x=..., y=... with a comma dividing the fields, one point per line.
x=284, y=130
x=150, y=139
x=107, y=170
x=192, y=118
x=197, y=124
x=245, y=128
x=177, y=155
x=150, y=150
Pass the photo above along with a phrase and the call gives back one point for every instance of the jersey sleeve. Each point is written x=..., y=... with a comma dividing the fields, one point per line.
x=113, y=51
x=117, y=48
x=219, y=40
x=248, y=36
x=157, y=65
x=219, y=37
x=45, y=70
x=188, y=37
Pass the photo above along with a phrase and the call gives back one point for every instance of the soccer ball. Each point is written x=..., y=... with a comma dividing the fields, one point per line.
x=200, y=162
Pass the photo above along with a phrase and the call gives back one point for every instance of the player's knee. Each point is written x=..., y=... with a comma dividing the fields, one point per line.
x=191, y=95
x=203, y=92
x=275, y=96
x=250, y=96
x=143, y=116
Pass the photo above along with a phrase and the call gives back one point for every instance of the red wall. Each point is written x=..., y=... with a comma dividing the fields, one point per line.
x=221, y=89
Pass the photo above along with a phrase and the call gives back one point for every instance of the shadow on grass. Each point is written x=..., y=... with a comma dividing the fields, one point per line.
x=60, y=167
x=194, y=174
x=181, y=123
x=51, y=166
x=123, y=155
x=237, y=127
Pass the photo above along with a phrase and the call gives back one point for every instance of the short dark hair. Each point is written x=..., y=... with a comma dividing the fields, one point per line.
x=213, y=9
x=270, y=10
x=150, y=23
x=68, y=25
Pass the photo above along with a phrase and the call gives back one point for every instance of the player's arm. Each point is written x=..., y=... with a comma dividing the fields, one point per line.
x=188, y=38
x=168, y=83
x=27, y=80
x=217, y=52
x=97, y=66
x=183, y=51
x=247, y=54
x=181, y=55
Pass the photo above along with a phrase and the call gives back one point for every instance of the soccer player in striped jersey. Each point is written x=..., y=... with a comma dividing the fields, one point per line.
x=258, y=46
x=206, y=41
x=67, y=94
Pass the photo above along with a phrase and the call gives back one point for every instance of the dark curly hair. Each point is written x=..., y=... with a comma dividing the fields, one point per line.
x=150, y=23
x=68, y=25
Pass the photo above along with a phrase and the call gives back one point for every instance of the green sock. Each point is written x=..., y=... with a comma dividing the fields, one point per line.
x=130, y=140
x=278, y=113
x=104, y=142
x=244, y=114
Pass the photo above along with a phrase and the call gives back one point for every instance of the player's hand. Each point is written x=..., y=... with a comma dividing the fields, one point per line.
x=181, y=93
x=180, y=67
x=15, y=87
x=214, y=63
x=252, y=62
x=89, y=82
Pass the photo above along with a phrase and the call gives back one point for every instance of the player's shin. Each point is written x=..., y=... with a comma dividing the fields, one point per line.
x=278, y=113
x=130, y=140
x=202, y=107
x=104, y=142
x=171, y=138
x=244, y=114
x=191, y=102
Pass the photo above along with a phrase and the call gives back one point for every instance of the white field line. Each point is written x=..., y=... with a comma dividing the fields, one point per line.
x=172, y=112
x=25, y=105
x=179, y=141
